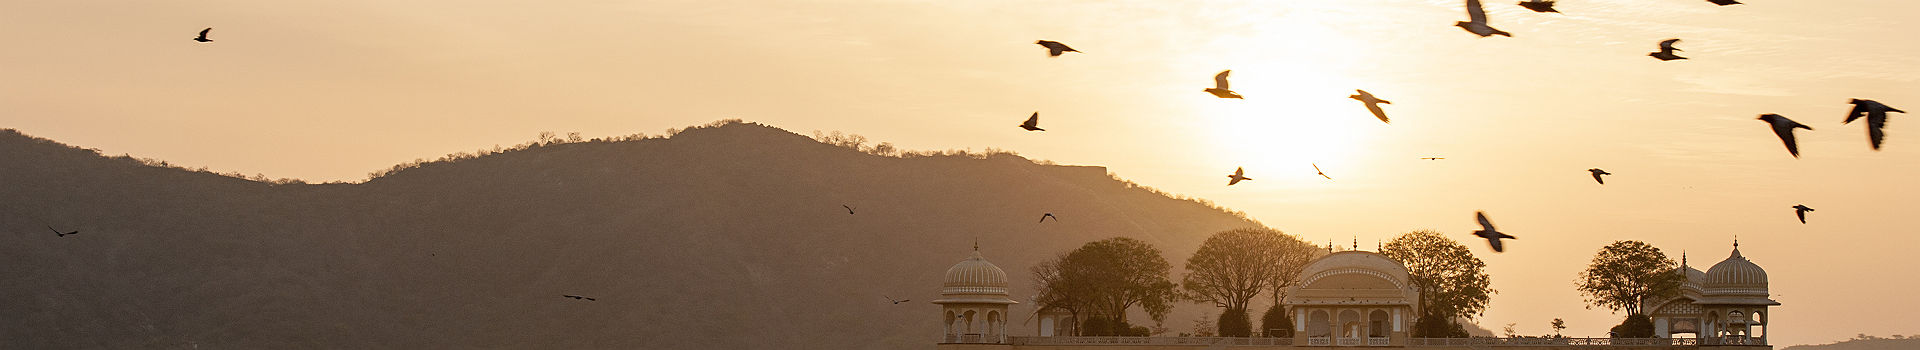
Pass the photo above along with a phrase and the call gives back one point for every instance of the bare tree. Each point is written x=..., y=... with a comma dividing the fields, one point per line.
x=1233, y=266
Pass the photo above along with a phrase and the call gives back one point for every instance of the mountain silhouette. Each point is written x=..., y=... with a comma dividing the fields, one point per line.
x=730, y=235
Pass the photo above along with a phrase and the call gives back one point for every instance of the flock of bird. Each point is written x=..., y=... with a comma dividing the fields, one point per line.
x=1477, y=24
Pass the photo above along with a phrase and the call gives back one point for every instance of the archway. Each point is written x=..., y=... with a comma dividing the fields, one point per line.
x=1318, y=324
x=1350, y=324
x=1377, y=326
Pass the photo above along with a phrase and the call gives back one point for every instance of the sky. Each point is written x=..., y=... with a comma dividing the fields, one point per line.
x=332, y=90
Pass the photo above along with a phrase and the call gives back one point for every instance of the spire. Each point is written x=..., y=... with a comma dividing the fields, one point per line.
x=1736, y=248
x=1329, y=245
x=1356, y=243
x=976, y=244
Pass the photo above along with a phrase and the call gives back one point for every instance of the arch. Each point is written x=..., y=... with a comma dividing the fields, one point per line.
x=1318, y=324
x=1350, y=324
x=1397, y=283
x=1377, y=324
x=993, y=323
x=953, y=323
x=968, y=320
x=1046, y=326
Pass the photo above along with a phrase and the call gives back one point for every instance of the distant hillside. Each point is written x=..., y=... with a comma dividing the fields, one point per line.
x=1865, y=342
x=728, y=236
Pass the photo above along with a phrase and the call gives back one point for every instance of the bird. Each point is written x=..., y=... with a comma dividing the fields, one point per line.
x=1724, y=2
x=576, y=297
x=1316, y=170
x=1238, y=175
x=1539, y=5
x=57, y=233
x=849, y=209
x=1666, y=51
x=203, y=35
x=1801, y=211
x=1373, y=104
x=1433, y=158
x=1876, y=114
x=1055, y=48
x=1486, y=231
x=1033, y=123
x=896, y=302
x=1784, y=127
x=1219, y=88
x=1043, y=217
x=1596, y=175
x=1476, y=22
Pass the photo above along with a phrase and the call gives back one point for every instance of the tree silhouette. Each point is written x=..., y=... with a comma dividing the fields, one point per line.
x=1626, y=274
x=1105, y=278
x=1451, y=280
x=1233, y=266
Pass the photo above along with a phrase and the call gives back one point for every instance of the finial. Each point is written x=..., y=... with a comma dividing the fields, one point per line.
x=1329, y=245
x=1356, y=243
x=976, y=244
x=1736, y=241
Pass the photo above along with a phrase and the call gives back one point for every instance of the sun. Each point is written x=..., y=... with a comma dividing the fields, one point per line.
x=1293, y=117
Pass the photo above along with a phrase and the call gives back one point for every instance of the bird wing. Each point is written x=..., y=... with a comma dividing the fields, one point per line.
x=1220, y=80
x=1859, y=109
x=1876, y=120
x=1033, y=120
x=1377, y=113
x=1785, y=130
x=1484, y=224
x=1476, y=14
x=50, y=227
x=203, y=32
x=1495, y=242
x=1232, y=181
x=1667, y=45
x=1237, y=172
x=1596, y=178
x=1802, y=214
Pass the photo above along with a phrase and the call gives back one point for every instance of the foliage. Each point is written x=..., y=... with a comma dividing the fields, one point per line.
x=1558, y=325
x=1205, y=327
x=1233, y=266
x=1438, y=326
x=1635, y=326
x=1451, y=280
x=1106, y=278
x=1509, y=332
x=1276, y=322
x=1234, y=323
x=1626, y=274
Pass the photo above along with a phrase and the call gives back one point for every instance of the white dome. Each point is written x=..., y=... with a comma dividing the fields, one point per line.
x=1736, y=281
x=975, y=276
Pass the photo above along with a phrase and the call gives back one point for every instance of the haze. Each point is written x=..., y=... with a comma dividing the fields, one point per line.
x=332, y=90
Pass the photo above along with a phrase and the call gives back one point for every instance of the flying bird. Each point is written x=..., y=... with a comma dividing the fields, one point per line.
x=1801, y=211
x=1033, y=123
x=1539, y=5
x=1316, y=170
x=1433, y=158
x=576, y=297
x=1238, y=175
x=57, y=233
x=1486, y=231
x=1219, y=88
x=849, y=209
x=1666, y=51
x=1055, y=48
x=1876, y=114
x=1477, y=21
x=896, y=302
x=203, y=35
x=1043, y=217
x=1596, y=175
x=1724, y=2
x=1373, y=104
x=1784, y=127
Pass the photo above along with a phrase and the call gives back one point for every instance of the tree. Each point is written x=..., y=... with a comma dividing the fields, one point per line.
x=1276, y=322
x=1626, y=274
x=1557, y=326
x=1233, y=266
x=1509, y=330
x=1104, y=279
x=1636, y=326
x=1234, y=323
x=1451, y=280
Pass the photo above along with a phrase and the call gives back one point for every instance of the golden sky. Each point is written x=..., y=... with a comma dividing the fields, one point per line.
x=331, y=90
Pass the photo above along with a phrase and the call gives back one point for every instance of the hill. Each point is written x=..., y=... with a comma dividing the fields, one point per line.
x=1866, y=342
x=730, y=235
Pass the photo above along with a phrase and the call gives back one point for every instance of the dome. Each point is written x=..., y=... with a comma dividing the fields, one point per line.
x=975, y=276
x=1736, y=281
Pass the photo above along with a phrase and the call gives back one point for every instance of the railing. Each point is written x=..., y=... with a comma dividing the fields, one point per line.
x=1378, y=341
x=1149, y=341
x=1578, y=342
x=1319, y=341
x=1733, y=341
x=973, y=339
x=1349, y=342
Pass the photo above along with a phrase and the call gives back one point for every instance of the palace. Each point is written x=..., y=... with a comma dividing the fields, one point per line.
x=1365, y=300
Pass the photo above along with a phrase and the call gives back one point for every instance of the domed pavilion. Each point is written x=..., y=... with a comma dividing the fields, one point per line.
x=1726, y=305
x=974, y=301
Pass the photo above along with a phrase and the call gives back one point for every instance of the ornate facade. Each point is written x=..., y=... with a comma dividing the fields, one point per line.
x=1727, y=304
